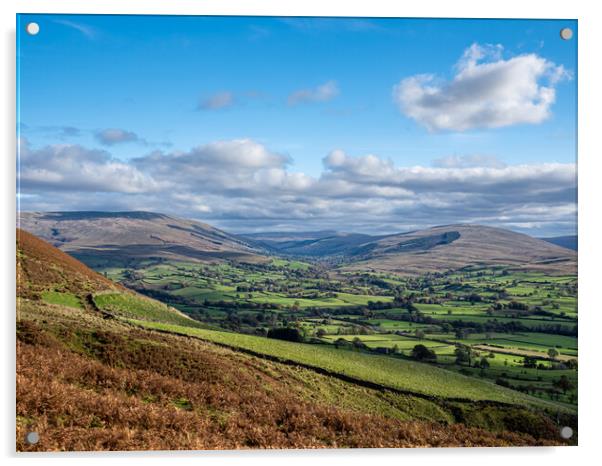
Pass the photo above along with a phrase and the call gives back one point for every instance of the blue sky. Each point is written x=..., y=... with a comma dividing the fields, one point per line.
x=133, y=97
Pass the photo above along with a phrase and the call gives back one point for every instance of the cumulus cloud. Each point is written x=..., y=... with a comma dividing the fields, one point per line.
x=324, y=92
x=487, y=91
x=242, y=185
x=217, y=101
x=112, y=136
x=68, y=167
x=239, y=166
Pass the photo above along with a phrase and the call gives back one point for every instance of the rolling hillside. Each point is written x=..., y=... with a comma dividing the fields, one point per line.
x=119, y=236
x=434, y=249
x=457, y=246
x=101, y=367
x=111, y=239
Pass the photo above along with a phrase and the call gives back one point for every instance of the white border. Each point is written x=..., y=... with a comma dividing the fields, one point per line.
x=590, y=182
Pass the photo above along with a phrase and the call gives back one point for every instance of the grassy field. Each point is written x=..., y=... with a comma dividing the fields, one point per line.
x=389, y=372
x=491, y=310
x=62, y=299
x=130, y=305
x=162, y=392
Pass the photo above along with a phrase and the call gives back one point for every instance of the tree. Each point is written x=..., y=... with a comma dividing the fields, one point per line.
x=358, y=344
x=341, y=342
x=446, y=327
x=572, y=364
x=286, y=333
x=552, y=352
x=320, y=333
x=463, y=354
x=564, y=384
x=484, y=364
x=422, y=353
x=529, y=362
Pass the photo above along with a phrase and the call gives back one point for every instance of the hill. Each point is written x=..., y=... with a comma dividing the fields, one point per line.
x=41, y=268
x=457, y=246
x=116, y=237
x=454, y=247
x=123, y=239
x=569, y=242
x=101, y=367
x=434, y=249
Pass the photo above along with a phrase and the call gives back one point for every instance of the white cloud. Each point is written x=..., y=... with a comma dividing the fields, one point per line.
x=327, y=91
x=486, y=91
x=66, y=167
x=242, y=185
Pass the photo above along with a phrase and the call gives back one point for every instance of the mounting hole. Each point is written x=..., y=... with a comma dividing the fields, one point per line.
x=32, y=438
x=32, y=28
x=566, y=432
x=566, y=33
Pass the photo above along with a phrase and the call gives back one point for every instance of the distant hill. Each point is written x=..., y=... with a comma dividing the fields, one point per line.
x=433, y=249
x=104, y=239
x=457, y=246
x=118, y=236
x=313, y=244
x=569, y=242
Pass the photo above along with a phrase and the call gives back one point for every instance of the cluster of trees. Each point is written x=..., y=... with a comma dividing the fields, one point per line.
x=422, y=353
x=530, y=362
x=287, y=333
x=562, y=385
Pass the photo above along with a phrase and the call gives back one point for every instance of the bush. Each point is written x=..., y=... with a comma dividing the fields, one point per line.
x=422, y=353
x=286, y=333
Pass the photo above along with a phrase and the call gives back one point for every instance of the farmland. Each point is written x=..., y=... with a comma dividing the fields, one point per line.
x=513, y=328
x=100, y=367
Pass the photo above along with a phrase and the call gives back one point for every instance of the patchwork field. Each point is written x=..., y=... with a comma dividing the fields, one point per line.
x=514, y=328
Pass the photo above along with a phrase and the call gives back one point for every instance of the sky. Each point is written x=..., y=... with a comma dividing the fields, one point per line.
x=257, y=124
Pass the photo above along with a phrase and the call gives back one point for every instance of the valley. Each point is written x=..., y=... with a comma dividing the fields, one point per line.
x=517, y=329
x=502, y=333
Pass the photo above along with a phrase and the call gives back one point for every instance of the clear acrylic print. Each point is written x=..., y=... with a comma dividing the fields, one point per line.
x=264, y=232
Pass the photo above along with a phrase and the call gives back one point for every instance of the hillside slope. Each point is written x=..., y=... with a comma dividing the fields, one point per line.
x=122, y=239
x=86, y=380
x=41, y=268
x=118, y=236
x=455, y=246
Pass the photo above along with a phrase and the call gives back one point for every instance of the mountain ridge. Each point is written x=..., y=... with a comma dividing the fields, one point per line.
x=139, y=235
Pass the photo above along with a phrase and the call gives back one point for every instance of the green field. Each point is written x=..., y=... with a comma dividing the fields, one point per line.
x=390, y=372
x=523, y=313
x=62, y=299
x=130, y=305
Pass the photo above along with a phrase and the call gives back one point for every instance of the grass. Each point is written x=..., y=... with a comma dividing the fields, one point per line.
x=244, y=299
x=133, y=306
x=62, y=299
x=162, y=392
x=389, y=372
